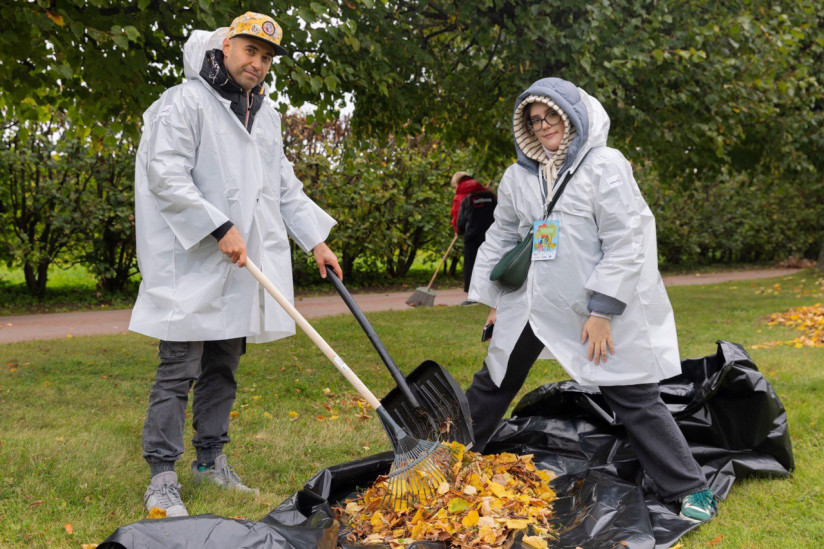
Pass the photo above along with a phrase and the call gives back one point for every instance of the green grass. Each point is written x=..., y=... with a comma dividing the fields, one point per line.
x=72, y=414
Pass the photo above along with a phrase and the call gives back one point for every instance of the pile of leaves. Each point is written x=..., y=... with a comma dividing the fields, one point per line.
x=808, y=320
x=483, y=504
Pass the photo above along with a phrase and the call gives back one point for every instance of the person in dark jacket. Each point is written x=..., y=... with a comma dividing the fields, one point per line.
x=464, y=186
x=474, y=217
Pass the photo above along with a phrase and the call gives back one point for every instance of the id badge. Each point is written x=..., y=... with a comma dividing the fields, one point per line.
x=545, y=239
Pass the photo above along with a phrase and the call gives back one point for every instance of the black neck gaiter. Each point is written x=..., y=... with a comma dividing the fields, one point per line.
x=214, y=72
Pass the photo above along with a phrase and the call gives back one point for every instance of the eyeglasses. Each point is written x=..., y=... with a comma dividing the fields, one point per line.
x=551, y=118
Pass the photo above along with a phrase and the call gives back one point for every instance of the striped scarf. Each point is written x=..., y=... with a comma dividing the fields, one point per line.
x=531, y=145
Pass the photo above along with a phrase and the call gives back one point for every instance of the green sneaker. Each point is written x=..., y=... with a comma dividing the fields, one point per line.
x=221, y=474
x=699, y=507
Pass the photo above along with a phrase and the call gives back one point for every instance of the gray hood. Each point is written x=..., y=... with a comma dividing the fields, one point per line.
x=586, y=114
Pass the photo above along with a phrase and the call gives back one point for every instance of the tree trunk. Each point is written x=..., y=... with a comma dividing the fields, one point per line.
x=36, y=278
x=820, y=263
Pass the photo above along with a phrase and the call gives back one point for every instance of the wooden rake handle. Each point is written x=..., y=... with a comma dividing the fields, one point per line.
x=449, y=249
x=350, y=376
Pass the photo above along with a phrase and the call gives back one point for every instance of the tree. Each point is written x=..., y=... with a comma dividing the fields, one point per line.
x=110, y=251
x=45, y=173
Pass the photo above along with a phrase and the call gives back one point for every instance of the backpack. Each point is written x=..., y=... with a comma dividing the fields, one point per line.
x=476, y=213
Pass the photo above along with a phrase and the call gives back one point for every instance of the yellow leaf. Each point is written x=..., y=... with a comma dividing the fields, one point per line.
x=471, y=519
x=497, y=489
x=535, y=542
x=443, y=488
x=517, y=524
x=234, y=414
x=487, y=534
x=377, y=521
x=68, y=527
x=457, y=505
x=157, y=513
x=58, y=20
x=293, y=416
x=353, y=507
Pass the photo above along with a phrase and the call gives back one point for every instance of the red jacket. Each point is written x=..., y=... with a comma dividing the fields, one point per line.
x=464, y=188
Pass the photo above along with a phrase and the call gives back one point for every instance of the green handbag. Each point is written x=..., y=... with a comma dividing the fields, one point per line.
x=510, y=272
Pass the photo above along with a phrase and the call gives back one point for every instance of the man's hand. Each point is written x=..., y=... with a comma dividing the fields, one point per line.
x=599, y=334
x=323, y=257
x=233, y=245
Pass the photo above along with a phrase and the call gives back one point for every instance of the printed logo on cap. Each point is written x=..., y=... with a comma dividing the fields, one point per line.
x=269, y=28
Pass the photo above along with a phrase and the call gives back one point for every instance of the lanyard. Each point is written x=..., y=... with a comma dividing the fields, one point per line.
x=550, y=200
x=558, y=190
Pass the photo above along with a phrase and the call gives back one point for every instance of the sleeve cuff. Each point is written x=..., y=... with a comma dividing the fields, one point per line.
x=605, y=305
x=221, y=231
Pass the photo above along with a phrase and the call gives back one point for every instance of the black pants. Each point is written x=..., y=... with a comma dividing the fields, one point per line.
x=659, y=444
x=471, y=246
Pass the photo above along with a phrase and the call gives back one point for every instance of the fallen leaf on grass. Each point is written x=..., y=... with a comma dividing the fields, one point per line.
x=234, y=414
x=69, y=528
x=293, y=416
x=715, y=541
x=88, y=546
x=157, y=513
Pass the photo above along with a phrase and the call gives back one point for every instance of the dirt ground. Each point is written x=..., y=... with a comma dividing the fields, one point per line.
x=86, y=323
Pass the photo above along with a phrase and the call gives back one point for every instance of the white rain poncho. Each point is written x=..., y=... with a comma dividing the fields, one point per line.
x=198, y=167
x=607, y=244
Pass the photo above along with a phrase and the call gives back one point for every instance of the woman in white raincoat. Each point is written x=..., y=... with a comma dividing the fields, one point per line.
x=594, y=298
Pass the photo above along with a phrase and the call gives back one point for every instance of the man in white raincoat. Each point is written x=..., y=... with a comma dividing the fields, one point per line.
x=593, y=297
x=212, y=185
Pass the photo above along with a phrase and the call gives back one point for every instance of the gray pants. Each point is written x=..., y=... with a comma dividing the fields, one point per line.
x=659, y=444
x=208, y=365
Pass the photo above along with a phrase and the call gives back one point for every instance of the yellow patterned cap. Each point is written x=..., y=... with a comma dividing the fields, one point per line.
x=262, y=27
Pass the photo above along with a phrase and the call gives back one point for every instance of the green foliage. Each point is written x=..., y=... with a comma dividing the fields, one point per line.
x=736, y=217
x=66, y=195
x=111, y=58
x=719, y=103
x=391, y=197
x=45, y=173
x=109, y=249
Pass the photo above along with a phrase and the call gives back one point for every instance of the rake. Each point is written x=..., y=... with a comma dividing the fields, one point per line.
x=419, y=466
x=424, y=296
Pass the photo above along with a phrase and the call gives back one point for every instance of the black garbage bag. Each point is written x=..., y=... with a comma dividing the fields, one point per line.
x=733, y=420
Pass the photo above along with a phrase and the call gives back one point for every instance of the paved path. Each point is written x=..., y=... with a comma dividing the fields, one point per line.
x=85, y=323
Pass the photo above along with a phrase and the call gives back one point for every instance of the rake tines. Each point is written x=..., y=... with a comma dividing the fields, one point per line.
x=419, y=467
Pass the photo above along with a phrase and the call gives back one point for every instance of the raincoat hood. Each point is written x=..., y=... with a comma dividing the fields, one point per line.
x=195, y=51
x=586, y=114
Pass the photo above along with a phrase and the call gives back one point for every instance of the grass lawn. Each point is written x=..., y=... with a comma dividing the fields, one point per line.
x=73, y=413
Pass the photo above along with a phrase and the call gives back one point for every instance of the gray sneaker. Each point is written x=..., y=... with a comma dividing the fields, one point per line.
x=222, y=475
x=164, y=493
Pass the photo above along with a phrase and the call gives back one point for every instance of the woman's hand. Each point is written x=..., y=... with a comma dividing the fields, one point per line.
x=491, y=318
x=597, y=331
